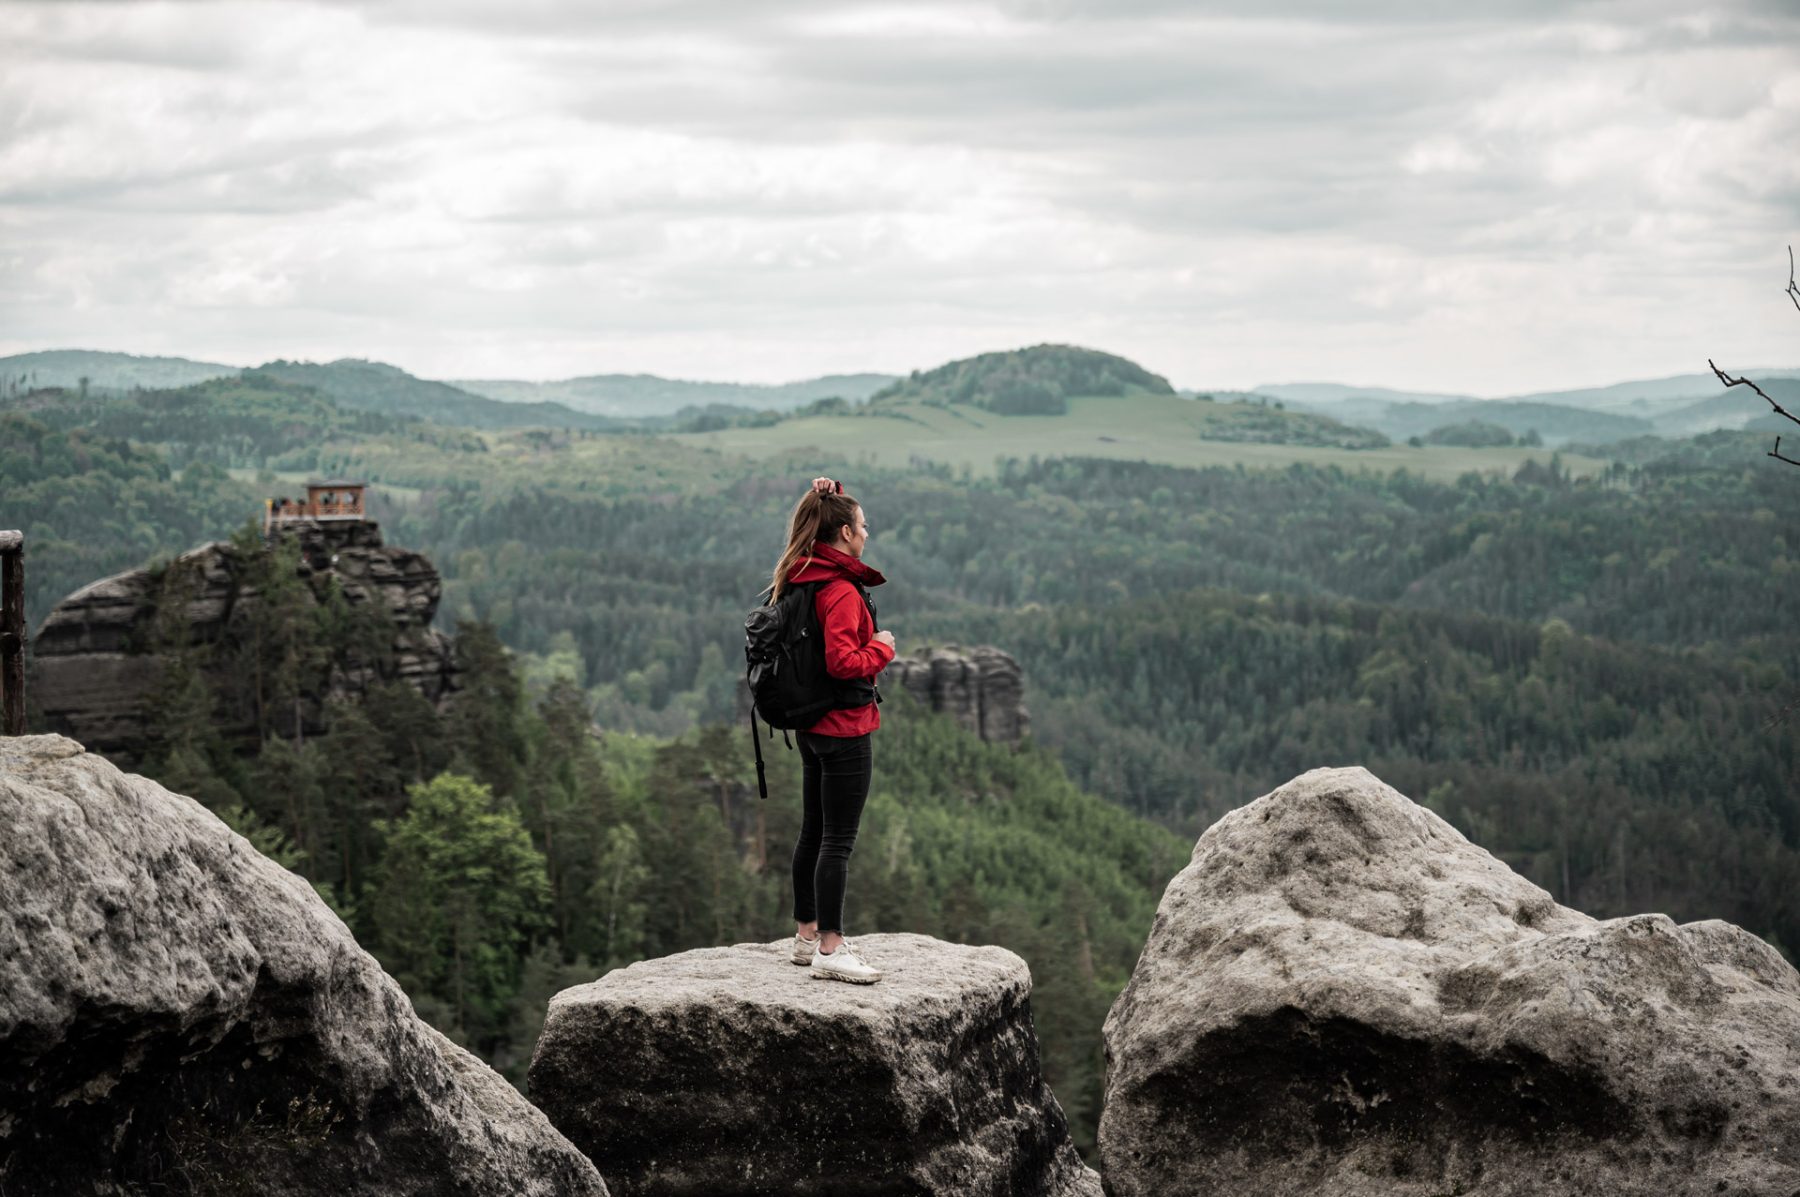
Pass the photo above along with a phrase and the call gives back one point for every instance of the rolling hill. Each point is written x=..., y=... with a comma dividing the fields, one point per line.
x=1555, y=424
x=109, y=371
x=1652, y=396
x=1063, y=401
x=1039, y=380
x=1736, y=408
x=377, y=387
x=1683, y=405
x=1645, y=398
x=1316, y=394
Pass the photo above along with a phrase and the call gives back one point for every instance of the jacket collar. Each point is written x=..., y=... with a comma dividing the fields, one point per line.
x=828, y=563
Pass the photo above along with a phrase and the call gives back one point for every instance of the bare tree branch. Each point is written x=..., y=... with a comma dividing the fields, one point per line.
x=1792, y=291
x=1729, y=381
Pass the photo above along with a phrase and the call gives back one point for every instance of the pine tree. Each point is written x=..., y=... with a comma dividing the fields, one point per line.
x=483, y=720
x=462, y=897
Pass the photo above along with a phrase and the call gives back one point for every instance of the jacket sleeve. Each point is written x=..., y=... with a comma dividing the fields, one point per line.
x=847, y=653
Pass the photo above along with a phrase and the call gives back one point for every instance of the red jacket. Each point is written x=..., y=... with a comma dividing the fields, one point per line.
x=844, y=618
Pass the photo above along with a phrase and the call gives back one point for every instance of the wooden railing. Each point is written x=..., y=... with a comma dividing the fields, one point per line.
x=301, y=510
x=12, y=633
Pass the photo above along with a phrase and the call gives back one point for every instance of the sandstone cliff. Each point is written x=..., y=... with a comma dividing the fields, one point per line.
x=727, y=1072
x=179, y=1014
x=981, y=688
x=96, y=672
x=1341, y=994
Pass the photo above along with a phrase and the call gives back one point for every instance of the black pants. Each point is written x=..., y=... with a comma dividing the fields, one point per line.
x=835, y=783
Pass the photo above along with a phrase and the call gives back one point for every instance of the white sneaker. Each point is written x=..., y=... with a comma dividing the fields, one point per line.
x=803, y=949
x=843, y=965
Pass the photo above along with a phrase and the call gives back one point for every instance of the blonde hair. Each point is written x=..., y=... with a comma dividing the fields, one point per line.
x=816, y=517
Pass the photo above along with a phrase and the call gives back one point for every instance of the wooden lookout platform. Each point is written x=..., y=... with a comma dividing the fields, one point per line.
x=334, y=499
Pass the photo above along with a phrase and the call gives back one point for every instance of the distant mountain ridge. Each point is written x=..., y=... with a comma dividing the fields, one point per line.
x=1679, y=406
x=1745, y=409
x=376, y=386
x=1655, y=395
x=110, y=371
x=1337, y=392
x=1038, y=380
x=1553, y=423
x=629, y=396
x=1633, y=397
x=583, y=402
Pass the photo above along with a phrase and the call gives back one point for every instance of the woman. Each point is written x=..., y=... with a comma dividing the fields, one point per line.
x=825, y=540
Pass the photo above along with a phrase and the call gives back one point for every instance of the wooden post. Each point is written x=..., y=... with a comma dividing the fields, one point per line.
x=12, y=633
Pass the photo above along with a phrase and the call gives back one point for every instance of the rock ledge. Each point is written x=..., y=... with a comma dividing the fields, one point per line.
x=729, y=1071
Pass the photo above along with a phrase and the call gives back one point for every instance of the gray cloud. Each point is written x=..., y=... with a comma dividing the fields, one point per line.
x=1444, y=196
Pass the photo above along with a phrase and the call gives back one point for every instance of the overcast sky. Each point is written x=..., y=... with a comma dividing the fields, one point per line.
x=1478, y=197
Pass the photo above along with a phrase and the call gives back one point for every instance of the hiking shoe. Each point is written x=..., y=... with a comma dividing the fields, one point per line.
x=803, y=949
x=843, y=965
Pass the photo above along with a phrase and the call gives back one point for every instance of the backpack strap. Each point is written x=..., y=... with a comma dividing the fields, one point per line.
x=867, y=602
x=762, y=777
x=876, y=622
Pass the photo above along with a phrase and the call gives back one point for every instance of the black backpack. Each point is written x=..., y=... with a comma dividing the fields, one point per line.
x=784, y=656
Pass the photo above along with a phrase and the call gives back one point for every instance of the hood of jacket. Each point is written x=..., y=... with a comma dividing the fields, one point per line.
x=828, y=563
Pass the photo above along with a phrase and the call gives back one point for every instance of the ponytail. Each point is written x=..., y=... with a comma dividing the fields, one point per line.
x=817, y=516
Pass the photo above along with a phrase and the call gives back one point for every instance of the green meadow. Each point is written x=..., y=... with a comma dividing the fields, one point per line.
x=1162, y=429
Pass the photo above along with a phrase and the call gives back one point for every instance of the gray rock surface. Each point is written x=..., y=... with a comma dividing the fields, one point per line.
x=179, y=1014
x=1341, y=994
x=729, y=1071
x=981, y=688
x=95, y=676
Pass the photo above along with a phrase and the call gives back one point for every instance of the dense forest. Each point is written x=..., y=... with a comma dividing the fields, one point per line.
x=1592, y=677
x=93, y=505
x=497, y=851
x=1663, y=556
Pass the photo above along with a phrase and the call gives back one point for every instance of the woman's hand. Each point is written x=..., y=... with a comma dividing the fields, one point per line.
x=887, y=638
x=824, y=486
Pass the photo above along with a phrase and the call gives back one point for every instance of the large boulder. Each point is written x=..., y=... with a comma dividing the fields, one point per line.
x=728, y=1071
x=180, y=1014
x=1341, y=994
x=981, y=688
